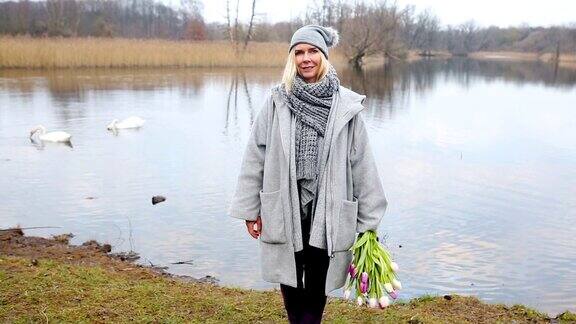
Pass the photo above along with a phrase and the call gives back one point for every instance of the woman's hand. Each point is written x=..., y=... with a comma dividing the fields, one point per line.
x=254, y=227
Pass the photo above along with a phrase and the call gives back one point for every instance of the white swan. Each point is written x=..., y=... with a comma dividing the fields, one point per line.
x=58, y=136
x=130, y=122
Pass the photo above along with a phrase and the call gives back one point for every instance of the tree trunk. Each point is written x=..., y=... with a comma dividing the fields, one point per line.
x=231, y=36
x=356, y=61
x=249, y=34
x=237, y=27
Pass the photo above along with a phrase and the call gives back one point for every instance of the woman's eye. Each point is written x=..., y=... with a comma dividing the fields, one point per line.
x=314, y=50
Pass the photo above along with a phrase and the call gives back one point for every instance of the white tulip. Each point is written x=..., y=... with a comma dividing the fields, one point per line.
x=388, y=287
x=347, y=294
x=360, y=300
x=373, y=302
x=394, y=266
x=384, y=302
x=396, y=284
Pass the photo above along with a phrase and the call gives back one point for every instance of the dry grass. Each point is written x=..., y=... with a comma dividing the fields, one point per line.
x=414, y=55
x=566, y=60
x=512, y=56
x=48, y=53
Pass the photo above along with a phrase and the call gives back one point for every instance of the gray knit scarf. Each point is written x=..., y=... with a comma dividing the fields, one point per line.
x=310, y=103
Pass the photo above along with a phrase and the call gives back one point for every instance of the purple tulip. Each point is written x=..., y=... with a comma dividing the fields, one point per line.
x=352, y=270
x=364, y=278
x=363, y=287
x=393, y=294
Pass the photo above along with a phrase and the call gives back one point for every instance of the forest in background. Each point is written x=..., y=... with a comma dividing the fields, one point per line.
x=367, y=28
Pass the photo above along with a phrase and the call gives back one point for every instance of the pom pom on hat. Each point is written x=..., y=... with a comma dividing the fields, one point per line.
x=334, y=37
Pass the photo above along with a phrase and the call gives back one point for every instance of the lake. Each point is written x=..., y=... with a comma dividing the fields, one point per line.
x=477, y=160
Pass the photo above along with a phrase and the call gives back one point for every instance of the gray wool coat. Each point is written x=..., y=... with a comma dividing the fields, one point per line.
x=350, y=194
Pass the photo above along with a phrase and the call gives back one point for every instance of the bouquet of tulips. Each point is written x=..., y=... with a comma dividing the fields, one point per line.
x=372, y=273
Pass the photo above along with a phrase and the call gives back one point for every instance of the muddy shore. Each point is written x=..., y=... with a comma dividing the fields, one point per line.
x=13, y=242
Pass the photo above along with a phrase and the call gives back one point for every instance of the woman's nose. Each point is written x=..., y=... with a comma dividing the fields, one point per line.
x=306, y=57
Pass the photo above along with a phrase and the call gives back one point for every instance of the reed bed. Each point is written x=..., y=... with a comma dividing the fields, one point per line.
x=52, y=53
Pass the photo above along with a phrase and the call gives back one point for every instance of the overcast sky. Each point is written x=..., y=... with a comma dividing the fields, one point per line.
x=484, y=12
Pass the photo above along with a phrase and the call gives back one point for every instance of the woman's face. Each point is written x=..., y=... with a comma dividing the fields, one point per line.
x=308, y=61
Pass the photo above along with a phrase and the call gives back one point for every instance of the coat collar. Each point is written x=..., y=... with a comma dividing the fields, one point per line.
x=347, y=104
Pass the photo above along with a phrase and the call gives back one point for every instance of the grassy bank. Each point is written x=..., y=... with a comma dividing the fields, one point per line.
x=44, y=280
x=26, y=52
x=56, y=291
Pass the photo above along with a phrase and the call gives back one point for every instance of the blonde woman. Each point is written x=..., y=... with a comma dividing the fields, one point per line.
x=308, y=181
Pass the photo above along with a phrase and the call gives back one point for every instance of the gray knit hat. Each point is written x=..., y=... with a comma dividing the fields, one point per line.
x=319, y=36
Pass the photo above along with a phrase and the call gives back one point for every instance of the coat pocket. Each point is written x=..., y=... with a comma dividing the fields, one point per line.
x=272, y=214
x=346, y=231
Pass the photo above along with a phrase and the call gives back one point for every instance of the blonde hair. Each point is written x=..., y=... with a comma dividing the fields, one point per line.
x=291, y=69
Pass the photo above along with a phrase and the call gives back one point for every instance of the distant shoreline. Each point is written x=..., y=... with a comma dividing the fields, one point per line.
x=566, y=61
x=72, y=53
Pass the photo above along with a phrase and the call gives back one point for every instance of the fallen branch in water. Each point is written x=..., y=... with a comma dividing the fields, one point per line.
x=157, y=267
x=189, y=262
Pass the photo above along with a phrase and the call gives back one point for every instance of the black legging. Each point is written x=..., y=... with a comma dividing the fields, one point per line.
x=305, y=304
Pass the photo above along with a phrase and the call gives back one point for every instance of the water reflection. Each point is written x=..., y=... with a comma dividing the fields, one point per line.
x=40, y=145
x=381, y=82
x=474, y=167
x=232, y=100
x=391, y=84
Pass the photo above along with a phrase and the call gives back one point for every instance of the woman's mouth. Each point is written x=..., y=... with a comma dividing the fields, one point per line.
x=307, y=68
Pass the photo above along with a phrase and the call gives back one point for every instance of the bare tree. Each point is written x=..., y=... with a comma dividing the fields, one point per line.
x=369, y=29
x=360, y=34
x=236, y=26
x=469, y=35
x=193, y=22
x=250, y=26
x=426, y=32
x=23, y=16
x=322, y=12
x=390, y=20
x=230, y=32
